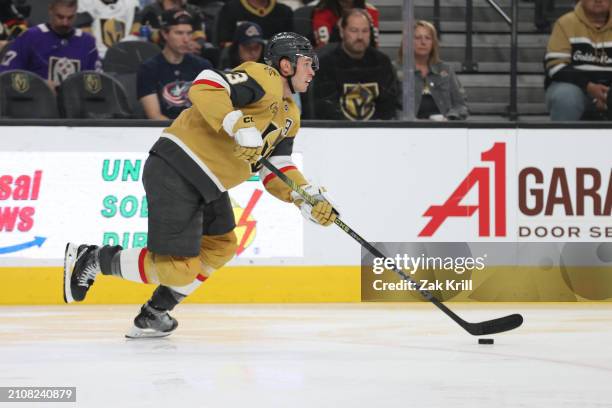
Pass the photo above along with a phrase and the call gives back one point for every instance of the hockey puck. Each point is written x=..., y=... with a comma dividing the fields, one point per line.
x=485, y=341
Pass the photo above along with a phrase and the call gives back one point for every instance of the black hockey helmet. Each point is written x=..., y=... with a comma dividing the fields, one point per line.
x=289, y=46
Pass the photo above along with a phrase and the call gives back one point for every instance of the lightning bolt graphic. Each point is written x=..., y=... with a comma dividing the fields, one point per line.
x=250, y=225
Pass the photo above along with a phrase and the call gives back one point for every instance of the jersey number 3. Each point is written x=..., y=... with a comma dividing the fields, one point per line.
x=235, y=78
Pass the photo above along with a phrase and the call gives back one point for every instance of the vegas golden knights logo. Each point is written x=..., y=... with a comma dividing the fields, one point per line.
x=112, y=31
x=20, y=82
x=93, y=83
x=358, y=101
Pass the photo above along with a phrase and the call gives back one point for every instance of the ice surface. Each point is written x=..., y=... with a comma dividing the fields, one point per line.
x=356, y=355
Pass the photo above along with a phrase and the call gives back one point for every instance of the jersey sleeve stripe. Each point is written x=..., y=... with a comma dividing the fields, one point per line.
x=210, y=77
x=208, y=82
x=279, y=162
x=272, y=175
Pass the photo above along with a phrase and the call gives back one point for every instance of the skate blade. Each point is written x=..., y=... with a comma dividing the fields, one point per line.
x=70, y=257
x=138, y=333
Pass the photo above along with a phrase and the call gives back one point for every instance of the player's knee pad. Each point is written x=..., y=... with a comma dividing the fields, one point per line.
x=217, y=250
x=176, y=271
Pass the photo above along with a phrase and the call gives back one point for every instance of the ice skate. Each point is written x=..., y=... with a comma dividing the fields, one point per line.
x=81, y=265
x=151, y=323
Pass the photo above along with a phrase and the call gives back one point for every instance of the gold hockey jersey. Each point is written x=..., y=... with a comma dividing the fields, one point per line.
x=198, y=147
x=578, y=51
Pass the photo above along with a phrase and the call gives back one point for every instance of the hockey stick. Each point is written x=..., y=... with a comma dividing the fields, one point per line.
x=499, y=325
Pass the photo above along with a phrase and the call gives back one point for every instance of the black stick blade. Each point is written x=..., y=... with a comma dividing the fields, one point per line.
x=495, y=326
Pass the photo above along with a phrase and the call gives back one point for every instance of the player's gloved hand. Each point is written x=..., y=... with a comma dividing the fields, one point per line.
x=249, y=142
x=323, y=212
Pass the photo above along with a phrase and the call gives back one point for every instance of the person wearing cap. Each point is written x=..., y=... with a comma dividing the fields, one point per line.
x=164, y=80
x=150, y=16
x=248, y=45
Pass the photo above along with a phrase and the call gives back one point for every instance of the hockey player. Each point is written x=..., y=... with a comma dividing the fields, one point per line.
x=236, y=118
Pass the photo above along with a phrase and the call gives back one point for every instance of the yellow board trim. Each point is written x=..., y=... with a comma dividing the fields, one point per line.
x=243, y=284
x=314, y=284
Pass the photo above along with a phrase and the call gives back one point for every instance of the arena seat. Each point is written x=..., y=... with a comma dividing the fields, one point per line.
x=93, y=95
x=126, y=56
x=24, y=95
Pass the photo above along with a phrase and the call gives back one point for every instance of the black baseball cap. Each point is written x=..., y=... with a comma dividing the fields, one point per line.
x=248, y=32
x=175, y=17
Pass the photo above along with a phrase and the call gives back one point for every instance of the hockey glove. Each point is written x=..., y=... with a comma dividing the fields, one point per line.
x=249, y=142
x=323, y=212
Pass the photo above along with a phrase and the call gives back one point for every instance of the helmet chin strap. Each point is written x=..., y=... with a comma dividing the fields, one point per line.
x=290, y=80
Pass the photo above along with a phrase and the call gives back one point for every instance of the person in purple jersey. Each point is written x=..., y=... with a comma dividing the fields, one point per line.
x=54, y=50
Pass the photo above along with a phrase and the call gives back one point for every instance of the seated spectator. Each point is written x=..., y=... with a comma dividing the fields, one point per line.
x=355, y=81
x=164, y=80
x=247, y=45
x=578, y=63
x=110, y=21
x=271, y=16
x=53, y=50
x=149, y=18
x=438, y=92
x=12, y=21
x=327, y=13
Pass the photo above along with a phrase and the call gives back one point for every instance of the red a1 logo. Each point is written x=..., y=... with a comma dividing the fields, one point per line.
x=478, y=176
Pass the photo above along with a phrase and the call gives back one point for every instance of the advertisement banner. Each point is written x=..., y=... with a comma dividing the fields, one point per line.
x=49, y=198
x=521, y=185
x=446, y=185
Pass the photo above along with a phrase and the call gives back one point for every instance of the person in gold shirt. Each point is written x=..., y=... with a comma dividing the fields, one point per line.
x=236, y=118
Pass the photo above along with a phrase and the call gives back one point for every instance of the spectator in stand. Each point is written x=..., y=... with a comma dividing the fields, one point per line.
x=110, y=21
x=327, y=13
x=248, y=45
x=12, y=21
x=579, y=63
x=355, y=81
x=438, y=92
x=150, y=17
x=53, y=50
x=164, y=80
x=271, y=16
